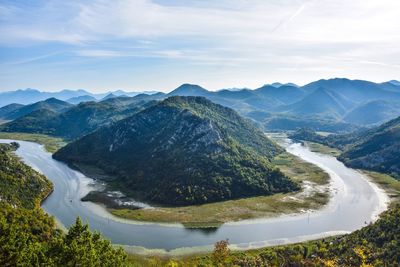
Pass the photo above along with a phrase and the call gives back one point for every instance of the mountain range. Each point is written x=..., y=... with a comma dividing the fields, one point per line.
x=29, y=96
x=15, y=111
x=74, y=121
x=334, y=105
x=181, y=151
x=325, y=105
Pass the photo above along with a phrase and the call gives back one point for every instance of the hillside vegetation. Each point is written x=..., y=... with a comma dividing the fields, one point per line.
x=374, y=245
x=184, y=150
x=15, y=111
x=28, y=236
x=78, y=120
x=376, y=149
x=20, y=186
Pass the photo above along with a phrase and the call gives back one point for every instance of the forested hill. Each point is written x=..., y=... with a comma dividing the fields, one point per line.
x=184, y=150
x=378, y=150
x=80, y=119
x=375, y=149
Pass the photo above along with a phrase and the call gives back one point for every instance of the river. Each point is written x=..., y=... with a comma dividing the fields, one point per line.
x=354, y=203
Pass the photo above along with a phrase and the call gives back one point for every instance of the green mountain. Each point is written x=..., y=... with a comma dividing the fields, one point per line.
x=288, y=122
x=52, y=104
x=376, y=149
x=8, y=109
x=184, y=150
x=38, y=121
x=80, y=119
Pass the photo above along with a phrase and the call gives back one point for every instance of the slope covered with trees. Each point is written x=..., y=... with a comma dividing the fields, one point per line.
x=51, y=104
x=376, y=149
x=29, y=237
x=184, y=150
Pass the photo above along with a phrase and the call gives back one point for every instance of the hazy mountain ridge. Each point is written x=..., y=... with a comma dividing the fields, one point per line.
x=373, y=112
x=336, y=105
x=184, y=150
x=78, y=99
x=29, y=95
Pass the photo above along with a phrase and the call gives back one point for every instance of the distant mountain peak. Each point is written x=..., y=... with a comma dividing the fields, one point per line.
x=278, y=84
x=186, y=86
x=188, y=89
x=110, y=95
x=53, y=100
x=27, y=90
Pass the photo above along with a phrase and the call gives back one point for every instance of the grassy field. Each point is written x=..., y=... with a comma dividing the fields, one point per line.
x=213, y=214
x=52, y=144
x=319, y=148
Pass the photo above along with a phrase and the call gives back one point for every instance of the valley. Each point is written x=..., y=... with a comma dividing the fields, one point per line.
x=64, y=203
x=171, y=133
x=167, y=176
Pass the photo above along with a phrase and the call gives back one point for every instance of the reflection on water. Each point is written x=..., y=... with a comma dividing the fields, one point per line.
x=203, y=230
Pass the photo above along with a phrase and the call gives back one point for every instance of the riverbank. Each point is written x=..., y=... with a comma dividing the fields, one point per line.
x=360, y=248
x=345, y=185
x=313, y=196
x=384, y=181
x=52, y=144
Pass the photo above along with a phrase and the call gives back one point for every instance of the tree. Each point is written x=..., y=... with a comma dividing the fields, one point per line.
x=80, y=247
x=221, y=253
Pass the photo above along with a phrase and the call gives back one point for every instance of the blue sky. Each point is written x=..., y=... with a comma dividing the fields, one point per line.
x=158, y=45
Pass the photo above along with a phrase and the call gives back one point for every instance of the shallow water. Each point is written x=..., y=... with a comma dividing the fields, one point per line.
x=355, y=202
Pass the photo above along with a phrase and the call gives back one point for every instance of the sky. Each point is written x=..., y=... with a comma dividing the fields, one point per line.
x=138, y=45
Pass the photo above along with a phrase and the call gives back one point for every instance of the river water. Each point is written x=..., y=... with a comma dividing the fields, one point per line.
x=354, y=203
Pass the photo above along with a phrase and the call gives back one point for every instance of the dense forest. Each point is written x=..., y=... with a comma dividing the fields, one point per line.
x=29, y=237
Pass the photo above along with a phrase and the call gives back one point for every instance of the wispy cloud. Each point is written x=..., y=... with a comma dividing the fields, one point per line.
x=254, y=39
x=99, y=53
x=30, y=59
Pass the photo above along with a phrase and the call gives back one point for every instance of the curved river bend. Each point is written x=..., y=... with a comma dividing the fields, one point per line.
x=354, y=202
